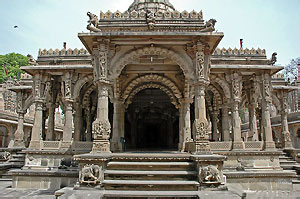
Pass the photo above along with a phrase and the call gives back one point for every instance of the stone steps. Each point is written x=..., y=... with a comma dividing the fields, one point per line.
x=146, y=194
x=152, y=166
x=149, y=175
x=148, y=185
x=152, y=175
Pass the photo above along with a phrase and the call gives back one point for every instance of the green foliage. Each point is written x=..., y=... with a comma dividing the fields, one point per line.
x=13, y=63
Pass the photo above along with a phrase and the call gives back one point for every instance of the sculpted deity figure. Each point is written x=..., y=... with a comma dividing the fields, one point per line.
x=200, y=64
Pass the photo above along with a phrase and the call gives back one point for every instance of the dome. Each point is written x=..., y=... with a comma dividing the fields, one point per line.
x=153, y=5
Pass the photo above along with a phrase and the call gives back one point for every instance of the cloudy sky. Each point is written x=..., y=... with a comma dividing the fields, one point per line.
x=270, y=24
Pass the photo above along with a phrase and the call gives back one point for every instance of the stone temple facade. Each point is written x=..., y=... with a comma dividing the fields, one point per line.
x=152, y=104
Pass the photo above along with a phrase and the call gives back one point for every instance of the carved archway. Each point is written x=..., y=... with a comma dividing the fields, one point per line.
x=216, y=93
x=152, y=78
x=152, y=85
x=182, y=60
x=79, y=85
x=223, y=84
x=276, y=103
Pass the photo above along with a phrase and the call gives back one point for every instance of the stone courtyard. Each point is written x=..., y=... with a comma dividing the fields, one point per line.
x=151, y=108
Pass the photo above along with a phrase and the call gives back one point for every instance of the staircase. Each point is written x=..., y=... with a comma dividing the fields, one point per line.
x=152, y=175
x=289, y=164
x=17, y=160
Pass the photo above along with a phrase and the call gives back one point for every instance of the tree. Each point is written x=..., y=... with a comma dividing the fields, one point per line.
x=291, y=70
x=13, y=62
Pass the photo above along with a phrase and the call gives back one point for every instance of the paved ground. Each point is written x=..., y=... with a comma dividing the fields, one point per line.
x=7, y=192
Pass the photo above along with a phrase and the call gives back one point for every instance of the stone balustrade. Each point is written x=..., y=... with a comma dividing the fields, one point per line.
x=63, y=52
x=158, y=15
x=240, y=52
x=75, y=146
x=221, y=146
x=254, y=146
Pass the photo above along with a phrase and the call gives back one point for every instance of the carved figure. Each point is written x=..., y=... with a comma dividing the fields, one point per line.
x=200, y=64
x=209, y=26
x=90, y=174
x=93, y=21
x=102, y=64
x=209, y=174
x=31, y=60
x=287, y=136
x=101, y=129
x=202, y=130
x=150, y=17
x=273, y=59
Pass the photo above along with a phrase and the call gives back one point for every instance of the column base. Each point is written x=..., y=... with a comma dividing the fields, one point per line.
x=270, y=146
x=19, y=144
x=65, y=144
x=116, y=147
x=35, y=145
x=237, y=146
x=203, y=148
x=101, y=146
x=288, y=145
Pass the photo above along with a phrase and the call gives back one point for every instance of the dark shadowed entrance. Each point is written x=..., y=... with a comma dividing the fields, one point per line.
x=152, y=122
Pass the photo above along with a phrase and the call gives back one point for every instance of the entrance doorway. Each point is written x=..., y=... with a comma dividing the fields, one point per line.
x=152, y=122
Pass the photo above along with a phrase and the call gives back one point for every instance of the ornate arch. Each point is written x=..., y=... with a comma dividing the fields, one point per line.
x=86, y=96
x=78, y=86
x=224, y=85
x=152, y=85
x=216, y=94
x=28, y=102
x=152, y=78
x=183, y=61
x=276, y=102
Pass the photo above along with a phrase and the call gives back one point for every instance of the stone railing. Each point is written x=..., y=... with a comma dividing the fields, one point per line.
x=74, y=146
x=254, y=145
x=221, y=146
x=63, y=52
x=241, y=52
x=158, y=15
x=278, y=76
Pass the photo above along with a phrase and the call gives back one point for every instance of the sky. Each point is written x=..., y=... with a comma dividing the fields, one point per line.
x=273, y=25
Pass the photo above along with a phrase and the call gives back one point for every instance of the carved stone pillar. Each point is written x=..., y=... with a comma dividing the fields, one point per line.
x=180, y=144
x=201, y=126
x=236, y=91
x=253, y=121
x=266, y=117
x=51, y=122
x=215, y=132
x=88, y=124
x=36, y=135
x=101, y=127
x=286, y=135
x=40, y=91
x=67, y=134
x=118, y=126
x=185, y=123
x=78, y=122
x=225, y=123
x=19, y=134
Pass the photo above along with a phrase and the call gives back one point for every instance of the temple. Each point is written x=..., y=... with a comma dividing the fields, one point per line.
x=152, y=104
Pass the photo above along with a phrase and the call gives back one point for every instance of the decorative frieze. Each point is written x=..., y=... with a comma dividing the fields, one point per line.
x=63, y=52
x=240, y=52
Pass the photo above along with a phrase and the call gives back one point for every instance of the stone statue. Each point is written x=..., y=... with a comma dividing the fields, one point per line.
x=200, y=64
x=90, y=174
x=101, y=130
x=273, y=59
x=31, y=60
x=209, y=174
x=209, y=26
x=93, y=21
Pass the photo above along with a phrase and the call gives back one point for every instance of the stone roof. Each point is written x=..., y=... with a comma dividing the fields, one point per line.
x=153, y=5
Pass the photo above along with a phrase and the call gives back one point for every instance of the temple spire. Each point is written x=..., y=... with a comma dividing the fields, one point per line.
x=153, y=5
